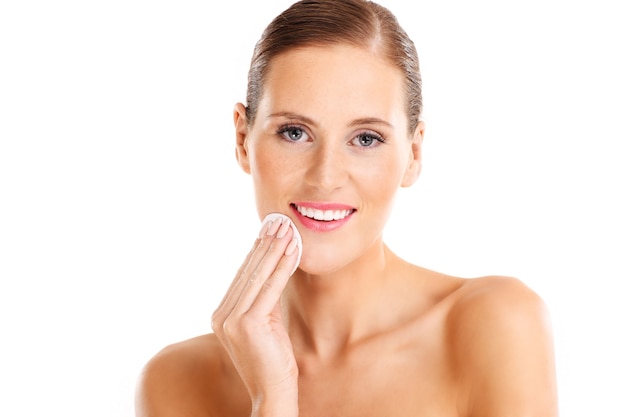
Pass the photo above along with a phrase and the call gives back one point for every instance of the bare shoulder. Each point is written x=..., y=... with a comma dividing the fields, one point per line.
x=501, y=342
x=181, y=379
x=497, y=296
x=488, y=309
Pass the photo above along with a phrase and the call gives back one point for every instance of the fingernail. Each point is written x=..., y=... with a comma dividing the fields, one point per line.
x=291, y=248
x=284, y=228
x=273, y=227
x=263, y=231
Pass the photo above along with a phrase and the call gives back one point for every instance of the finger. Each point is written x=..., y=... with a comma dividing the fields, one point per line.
x=237, y=278
x=269, y=294
x=250, y=272
x=239, y=282
x=267, y=266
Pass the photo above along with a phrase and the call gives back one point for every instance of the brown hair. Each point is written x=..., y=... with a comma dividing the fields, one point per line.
x=360, y=23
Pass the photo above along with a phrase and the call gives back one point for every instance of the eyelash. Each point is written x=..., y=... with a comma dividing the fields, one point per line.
x=374, y=136
x=284, y=130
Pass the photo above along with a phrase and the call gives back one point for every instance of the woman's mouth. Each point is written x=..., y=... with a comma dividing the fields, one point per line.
x=322, y=217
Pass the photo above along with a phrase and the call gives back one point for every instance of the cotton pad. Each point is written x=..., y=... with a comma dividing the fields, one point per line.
x=296, y=234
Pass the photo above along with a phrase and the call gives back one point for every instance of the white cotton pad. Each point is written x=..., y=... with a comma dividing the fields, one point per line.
x=296, y=233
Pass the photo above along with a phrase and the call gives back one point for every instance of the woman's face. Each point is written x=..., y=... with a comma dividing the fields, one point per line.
x=330, y=147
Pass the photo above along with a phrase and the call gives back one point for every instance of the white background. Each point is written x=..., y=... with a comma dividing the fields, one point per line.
x=124, y=214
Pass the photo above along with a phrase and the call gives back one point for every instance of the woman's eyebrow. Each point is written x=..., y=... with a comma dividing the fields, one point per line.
x=294, y=116
x=370, y=121
x=355, y=122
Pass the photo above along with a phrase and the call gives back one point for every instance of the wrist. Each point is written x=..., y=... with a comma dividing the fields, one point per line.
x=283, y=404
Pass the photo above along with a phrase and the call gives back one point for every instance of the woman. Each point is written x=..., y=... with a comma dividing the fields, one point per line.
x=330, y=131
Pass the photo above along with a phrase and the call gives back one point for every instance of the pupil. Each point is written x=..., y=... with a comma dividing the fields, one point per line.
x=296, y=134
x=366, y=140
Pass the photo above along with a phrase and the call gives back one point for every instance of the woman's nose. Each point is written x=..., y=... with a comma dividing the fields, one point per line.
x=327, y=170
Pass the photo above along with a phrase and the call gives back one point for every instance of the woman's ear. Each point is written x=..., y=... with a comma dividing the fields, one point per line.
x=414, y=166
x=241, y=132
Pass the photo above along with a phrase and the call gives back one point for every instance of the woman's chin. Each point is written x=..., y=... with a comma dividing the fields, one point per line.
x=321, y=264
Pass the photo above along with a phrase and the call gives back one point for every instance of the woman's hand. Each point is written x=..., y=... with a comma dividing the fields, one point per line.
x=249, y=322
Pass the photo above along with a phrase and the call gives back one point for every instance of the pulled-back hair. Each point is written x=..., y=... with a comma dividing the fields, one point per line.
x=359, y=23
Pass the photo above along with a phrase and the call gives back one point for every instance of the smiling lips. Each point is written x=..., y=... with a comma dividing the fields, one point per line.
x=322, y=217
x=325, y=215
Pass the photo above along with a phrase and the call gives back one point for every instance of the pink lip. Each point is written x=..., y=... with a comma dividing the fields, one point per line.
x=322, y=225
x=323, y=206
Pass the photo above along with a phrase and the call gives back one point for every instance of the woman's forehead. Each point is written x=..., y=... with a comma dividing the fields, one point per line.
x=335, y=76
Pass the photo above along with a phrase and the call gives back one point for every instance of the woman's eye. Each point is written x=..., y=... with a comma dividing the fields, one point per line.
x=293, y=133
x=367, y=140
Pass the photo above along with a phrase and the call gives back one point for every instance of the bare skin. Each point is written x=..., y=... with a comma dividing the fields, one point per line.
x=356, y=331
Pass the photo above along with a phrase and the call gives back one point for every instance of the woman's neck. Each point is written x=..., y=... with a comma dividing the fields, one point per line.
x=325, y=314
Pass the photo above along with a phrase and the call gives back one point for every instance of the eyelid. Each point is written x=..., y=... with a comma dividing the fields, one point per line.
x=290, y=125
x=380, y=137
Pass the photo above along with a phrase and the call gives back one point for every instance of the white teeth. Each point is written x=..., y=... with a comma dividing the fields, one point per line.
x=325, y=215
